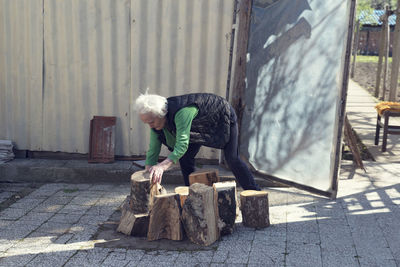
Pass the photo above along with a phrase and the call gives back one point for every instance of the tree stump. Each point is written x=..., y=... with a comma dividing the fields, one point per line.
x=133, y=224
x=200, y=215
x=254, y=207
x=140, y=192
x=207, y=177
x=183, y=192
x=165, y=218
x=226, y=193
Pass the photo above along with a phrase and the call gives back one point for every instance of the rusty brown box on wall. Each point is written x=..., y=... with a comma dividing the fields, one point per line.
x=102, y=139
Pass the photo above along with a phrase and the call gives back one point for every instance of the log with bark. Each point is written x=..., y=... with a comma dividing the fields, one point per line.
x=207, y=177
x=140, y=192
x=155, y=190
x=200, y=215
x=131, y=223
x=226, y=193
x=254, y=207
x=165, y=218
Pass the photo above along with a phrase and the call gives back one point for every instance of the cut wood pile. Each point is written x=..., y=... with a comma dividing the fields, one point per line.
x=202, y=212
x=6, y=151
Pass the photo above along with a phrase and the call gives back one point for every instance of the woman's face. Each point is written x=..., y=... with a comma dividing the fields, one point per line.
x=153, y=121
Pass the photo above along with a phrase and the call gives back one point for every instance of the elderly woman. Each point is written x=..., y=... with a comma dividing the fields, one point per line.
x=184, y=124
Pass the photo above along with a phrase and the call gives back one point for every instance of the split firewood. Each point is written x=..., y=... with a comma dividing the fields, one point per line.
x=207, y=177
x=165, y=218
x=226, y=193
x=140, y=192
x=183, y=192
x=155, y=190
x=133, y=224
x=254, y=207
x=200, y=215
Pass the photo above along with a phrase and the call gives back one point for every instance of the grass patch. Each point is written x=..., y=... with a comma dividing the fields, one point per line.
x=370, y=59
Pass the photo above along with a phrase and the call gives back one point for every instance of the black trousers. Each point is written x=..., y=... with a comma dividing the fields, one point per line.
x=231, y=152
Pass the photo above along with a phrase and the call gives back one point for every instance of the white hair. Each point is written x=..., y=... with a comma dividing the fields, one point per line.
x=154, y=104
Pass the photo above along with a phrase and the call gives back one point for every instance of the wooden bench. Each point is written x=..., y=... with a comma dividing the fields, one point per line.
x=387, y=128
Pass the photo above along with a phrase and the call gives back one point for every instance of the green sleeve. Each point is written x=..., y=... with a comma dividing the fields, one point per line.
x=154, y=149
x=183, y=121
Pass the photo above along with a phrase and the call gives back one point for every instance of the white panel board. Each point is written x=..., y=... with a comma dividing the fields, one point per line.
x=294, y=81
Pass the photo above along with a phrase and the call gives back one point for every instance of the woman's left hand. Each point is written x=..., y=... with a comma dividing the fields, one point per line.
x=157, y=171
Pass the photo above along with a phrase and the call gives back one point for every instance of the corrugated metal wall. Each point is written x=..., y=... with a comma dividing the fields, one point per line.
x=62, y=62
x=21, y=53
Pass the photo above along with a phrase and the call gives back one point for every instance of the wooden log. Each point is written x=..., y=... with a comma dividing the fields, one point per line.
x=140, y=192
x=165, y=218
x=133, y=224
x=207, y=177
x=254, y=207
x=200, y=215
x=226, y=197
x=155, y=190
x=183, y=192
x=351, y=140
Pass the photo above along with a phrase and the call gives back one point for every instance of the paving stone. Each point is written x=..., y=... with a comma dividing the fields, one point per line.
x=106, y=211
x=65, y=218
x=332, y=259
x=5, y=244
x=36, y=218
x=93, y=220
x=51, y=259
x=84, y=201
x=102, y=187
x=220, y=256
x=34, y=242
x=182, y=257
x=150, y=263
x=5, y=223
x=91, y=257
x=271, y=234
x=74, y=209
x=115, y=259
x=58, y=200
x=134, y=255
x=202, y=256
x=26, y=204
x=12, y=214
x=234, y=246
x=54, y=228
x=238, y=257
x=267, y=255
x=303, y=238
x=48, y=207
x=303, y=227
x=19, y=260
x=246, y=235
x=5, y=195
x=160, y=257
x=303, y=255
x=372, y=261
x=15, y=233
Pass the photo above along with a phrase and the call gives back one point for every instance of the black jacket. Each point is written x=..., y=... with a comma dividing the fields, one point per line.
x=211, y=126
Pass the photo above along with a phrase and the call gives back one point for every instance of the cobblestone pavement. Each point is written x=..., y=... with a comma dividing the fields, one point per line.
x=54, y=225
